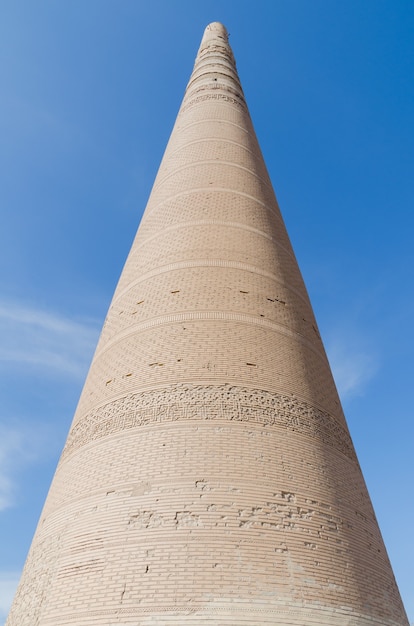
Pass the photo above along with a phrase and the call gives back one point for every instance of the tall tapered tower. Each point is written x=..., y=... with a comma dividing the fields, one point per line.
x=209, y=476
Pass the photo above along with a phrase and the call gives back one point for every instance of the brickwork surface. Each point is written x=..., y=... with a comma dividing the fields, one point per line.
x=209, y=476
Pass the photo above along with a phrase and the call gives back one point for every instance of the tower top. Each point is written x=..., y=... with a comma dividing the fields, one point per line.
x=215, y=29
x=215, y=35
x=214, y=70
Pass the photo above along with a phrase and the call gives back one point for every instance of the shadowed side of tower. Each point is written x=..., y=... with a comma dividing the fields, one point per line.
x=209, y=476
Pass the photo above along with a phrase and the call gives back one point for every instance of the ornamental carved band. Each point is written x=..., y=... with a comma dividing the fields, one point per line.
x=215, y=402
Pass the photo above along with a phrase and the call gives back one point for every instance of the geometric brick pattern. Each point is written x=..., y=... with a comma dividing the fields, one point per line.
x=209, y=475
x=219, y=403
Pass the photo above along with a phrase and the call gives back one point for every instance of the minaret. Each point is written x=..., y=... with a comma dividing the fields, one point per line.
x=209, y=476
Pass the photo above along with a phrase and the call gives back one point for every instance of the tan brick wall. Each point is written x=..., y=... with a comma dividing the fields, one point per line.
x=209, y=476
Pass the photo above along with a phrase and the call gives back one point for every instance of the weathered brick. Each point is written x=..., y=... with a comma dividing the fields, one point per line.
x=209, y=476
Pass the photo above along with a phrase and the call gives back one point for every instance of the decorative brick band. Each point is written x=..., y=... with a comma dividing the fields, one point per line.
x=188, y=316
x=224, y=223
x=206, y=162
x=205, y=403
x=179, y=265
x=289, y=614
x=211, y=96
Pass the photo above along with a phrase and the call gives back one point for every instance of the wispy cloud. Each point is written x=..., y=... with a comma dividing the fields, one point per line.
x=11, y=444
x=30, y=336
x=34, y=343
x=8, y=584
x=21, y=444
x=353, y=363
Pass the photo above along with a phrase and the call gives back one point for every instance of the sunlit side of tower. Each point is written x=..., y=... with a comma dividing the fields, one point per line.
x=209, y=476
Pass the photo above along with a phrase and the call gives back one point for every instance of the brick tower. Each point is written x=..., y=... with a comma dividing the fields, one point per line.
x=209, y=476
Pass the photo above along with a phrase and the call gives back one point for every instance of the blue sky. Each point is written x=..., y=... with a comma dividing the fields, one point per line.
x=89, y=92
